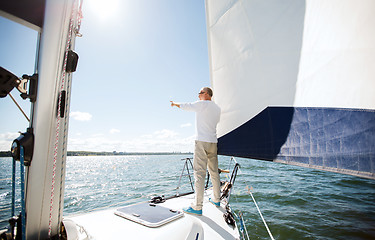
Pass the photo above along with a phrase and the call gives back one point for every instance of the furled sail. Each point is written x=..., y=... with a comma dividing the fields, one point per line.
x=295, y=81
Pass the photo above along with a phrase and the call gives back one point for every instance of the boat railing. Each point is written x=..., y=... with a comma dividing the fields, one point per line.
x=188, y=167
x=227, y=186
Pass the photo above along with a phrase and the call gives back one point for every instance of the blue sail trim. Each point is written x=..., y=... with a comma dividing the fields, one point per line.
x=332, y=139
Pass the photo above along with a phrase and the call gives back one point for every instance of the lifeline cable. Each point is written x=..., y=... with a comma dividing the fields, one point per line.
x=265, y=224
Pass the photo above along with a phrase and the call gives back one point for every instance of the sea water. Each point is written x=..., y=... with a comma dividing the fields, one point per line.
x=296, y=202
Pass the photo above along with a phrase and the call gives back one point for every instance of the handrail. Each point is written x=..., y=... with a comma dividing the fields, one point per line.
x=187, y=160
x=188, y=165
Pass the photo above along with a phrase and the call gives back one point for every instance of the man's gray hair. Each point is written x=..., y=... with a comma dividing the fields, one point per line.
x=209, y=91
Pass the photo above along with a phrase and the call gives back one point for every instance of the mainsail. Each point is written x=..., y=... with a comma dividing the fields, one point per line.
x=295, y=81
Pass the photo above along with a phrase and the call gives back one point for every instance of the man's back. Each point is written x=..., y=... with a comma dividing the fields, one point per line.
x=207, y=118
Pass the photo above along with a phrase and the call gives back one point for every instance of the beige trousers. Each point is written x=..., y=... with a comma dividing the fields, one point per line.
x=205, y=156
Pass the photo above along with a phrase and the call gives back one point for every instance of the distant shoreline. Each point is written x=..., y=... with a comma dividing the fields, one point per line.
x=88, y=153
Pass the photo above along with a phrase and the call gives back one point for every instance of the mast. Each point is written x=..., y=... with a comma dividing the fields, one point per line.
x=46, y=174
x=45, y=142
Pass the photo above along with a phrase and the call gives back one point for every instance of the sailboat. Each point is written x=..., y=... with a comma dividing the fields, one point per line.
x=294, y=80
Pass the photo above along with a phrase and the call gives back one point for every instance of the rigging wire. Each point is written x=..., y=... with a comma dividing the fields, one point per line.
x=260, y=213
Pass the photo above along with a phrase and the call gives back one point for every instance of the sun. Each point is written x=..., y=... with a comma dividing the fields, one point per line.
x=103, y=9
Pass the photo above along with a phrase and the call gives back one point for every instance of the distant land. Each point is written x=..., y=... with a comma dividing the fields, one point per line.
x=114, y=153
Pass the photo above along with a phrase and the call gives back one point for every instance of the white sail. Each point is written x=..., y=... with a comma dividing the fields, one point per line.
x=337, y=65
x=292, y=77
x=254, y=54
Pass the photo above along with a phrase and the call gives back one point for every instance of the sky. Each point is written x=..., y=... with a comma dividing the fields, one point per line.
x=134, y=58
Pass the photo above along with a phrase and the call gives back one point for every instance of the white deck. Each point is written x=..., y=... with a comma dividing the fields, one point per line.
x=106, y=225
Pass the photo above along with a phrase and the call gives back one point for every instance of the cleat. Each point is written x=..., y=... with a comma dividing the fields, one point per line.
x=190, y=210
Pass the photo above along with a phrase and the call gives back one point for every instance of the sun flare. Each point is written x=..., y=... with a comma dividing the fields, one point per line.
x=104, y=9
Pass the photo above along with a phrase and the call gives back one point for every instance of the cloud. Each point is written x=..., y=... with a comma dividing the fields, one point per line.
x=163, y=134
x=147, y=136
x=159, y=141
x=6, y=140
x=114, y=130
x=81, y=116
x=186, y=125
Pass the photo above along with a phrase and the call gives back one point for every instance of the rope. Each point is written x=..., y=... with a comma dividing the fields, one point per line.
x=79, y=20
x=19, y=107
x=260, y=213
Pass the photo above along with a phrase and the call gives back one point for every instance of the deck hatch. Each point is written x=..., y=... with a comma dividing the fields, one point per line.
x=148, y=214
